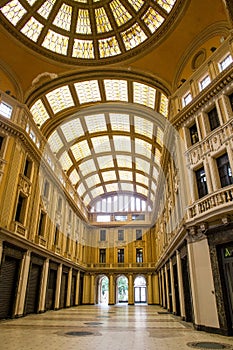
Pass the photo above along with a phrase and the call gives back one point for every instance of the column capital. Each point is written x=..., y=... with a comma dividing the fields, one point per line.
x=196, y=234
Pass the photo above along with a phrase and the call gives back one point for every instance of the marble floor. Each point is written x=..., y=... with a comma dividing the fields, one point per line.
x=104, y=327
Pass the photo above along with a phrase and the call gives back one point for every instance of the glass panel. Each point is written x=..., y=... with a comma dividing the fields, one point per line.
x=93, y=180
x=97, y=191
x=55, y=142
x=127, y=187
x=32, y=29
x=96, y=123
x=56, y=42
x=119, y=122
x=105, y=162
x=137, y=4
x=83, y=22
x=143, y=165
x=74, y=177
x=102, y=22
x=120, y=13
x=143, y=126
x=143, y=147
x=13, y=11
x=60, y=99
x=122, y=143
x=63, y=17
x=142, y=190
x=108, y=47
x=152, y=19
x=112, y=187
x=65, y=161
x=88, y=91
x=81, y=189
x=109, y=175
x=87, y=199
x=144, y=94
x=125, y=175
x=87, y=167
x=39, y=113
x=142, y=179
x=72, y=129
x=166, y=4
x=83, y=49
x=101, y=144
x=81, y=150
x=133, y=36
x=159, y=137
x=46, y=8
x=116, y=90
x=163, y=109
x=5, y=110
x=124, y=161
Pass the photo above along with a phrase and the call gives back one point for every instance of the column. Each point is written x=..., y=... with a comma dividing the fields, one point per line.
x=208, y=176
x=155, y=289
x=44, y=281
x=58, y=287
x=167, y=289
x=163, y=289
x=149, y=290
x=1, y=250
x=173, y=288
x=111, y=297
x=214, y=177
x=92, y=291
x=77, y=288
x=180, y=284
x=86, y=289
x=202, y=284
x=69, y=287
x=22, y=287
x=130, y=290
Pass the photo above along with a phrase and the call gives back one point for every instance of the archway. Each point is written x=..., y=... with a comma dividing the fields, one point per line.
x=140, y=290
x=122, y=289
x=103, y=290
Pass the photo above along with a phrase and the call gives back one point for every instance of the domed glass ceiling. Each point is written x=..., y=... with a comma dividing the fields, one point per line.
x=92, y=30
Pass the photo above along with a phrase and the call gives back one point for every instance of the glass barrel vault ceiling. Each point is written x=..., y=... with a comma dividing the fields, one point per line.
x=110, y=150
x=88, y=29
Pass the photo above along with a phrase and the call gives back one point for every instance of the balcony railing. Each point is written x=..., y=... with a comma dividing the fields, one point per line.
x=212, y=202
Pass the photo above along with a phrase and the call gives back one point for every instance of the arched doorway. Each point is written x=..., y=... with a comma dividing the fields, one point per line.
x=140, y=290
x=103, y=290
x=122, y=289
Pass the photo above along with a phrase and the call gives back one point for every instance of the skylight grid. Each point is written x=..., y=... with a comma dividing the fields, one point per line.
x=122, y=143
x=87, y=167
x=83, y=22
x=125, y=175
x=143, y=126
x=166, y=4
x=142, y=147
x=13, y=11
x=81, y=189
x=163, y=109
x=72, y=129
x=152, y=19
x=144, y=95
x=88, y=91
x=157, y=156
x=32, y=29
x=142, y=190
x=83, y=49
x=81, y=150
x=97, y=191
x=60, y=99
x=101, y=144
x=116, y=90
x=65, y=161
x=92, y=180
x=127, y=187
x=55, y=142
x=142, y=165
x=120, y=13
x=133, y=36
x=142, y=179
x=87, y=199
x=160, y=135
x=56, y=42
x=96, y=123
x=119, y=122
x=114, y=187
x=137, y=4
x=63, y=17
x=109, y=175
x=46, y=8
x=39, y=113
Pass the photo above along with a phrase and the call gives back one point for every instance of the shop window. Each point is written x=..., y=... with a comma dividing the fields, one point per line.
x=120, y=255
x=120, y=235
x=41, y=226
x=102, y=235
x=213, y=118
x=193, y=134
x=21, y=209
x=138, y=235
x=224, y=170
x=102, y=256
x=201, y=182
x=139, y=255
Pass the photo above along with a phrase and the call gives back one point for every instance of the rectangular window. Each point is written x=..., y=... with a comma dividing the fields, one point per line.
x=46, y=189
x=103, y=218
x=5, y=110
x=20, y=209
x=59, y=205
x=120, y=235
x=103, y=235
x=225, y=62
x=224, y=170
x=138, y=235
x=204, y=82
x=56, y=236
x=41, y=227
x=187, y=99
x=201, y=182
x=102, y=258
x=120, y=255
x=27, y=168
x=1, y=142
x=67, y=243
x=138, y=217
x=193, y=134
x=231, y=100
x=213, y=118
x=139, y=255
